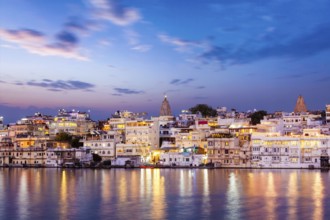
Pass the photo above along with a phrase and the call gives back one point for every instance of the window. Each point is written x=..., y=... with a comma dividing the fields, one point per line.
x=226, y=151
x=187, y=159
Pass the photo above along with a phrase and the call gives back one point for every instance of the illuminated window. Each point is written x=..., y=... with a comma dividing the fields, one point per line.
x=294, y=160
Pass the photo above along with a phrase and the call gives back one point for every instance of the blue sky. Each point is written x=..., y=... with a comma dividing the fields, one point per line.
x=103, y=56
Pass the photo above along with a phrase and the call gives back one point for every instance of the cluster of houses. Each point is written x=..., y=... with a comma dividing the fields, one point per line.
x=299, y=139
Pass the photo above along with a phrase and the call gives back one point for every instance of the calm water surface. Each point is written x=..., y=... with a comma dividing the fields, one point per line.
x=164, y=194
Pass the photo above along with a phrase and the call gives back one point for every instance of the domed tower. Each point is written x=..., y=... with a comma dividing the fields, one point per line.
x=165, y=109
x=300, y=105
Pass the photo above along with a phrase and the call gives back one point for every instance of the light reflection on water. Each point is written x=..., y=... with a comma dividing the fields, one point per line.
x=318, y=196
x=292, y=196
x=23, y=198
x=233, y=198
x=163, y=194
x=271, y=196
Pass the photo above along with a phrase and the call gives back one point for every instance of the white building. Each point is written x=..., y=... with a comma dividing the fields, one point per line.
x=185, y=159
x=58, y=157
x=103, y=143
x=273, y=150
x=73, y=122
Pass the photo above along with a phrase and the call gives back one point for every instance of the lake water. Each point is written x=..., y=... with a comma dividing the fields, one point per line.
x=163, y=194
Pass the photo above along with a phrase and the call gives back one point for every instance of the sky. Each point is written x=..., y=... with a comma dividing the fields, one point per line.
x=104, y=55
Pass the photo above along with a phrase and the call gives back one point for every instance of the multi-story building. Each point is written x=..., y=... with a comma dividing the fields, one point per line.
x=73, y=122
x=189, y=158
x=58, y=157
x=103, y=143
x=26, y=141
x=190, y=138
x=289, y=151
x=225, y=150
x=136, y=153
x=19, y=157
x=138, y=132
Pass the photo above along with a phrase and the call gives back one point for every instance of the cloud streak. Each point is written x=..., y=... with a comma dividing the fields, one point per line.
x=60, y=85
x=110, y=10
x=35, y=42
x=133, y=39
x=121, y=91
x=181, y=45
x=178, y=82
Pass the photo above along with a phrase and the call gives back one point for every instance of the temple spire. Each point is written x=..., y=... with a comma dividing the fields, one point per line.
x=300, y=105
x=165, y=109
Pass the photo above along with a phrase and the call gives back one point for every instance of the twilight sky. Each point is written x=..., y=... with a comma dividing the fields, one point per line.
x=113, y=55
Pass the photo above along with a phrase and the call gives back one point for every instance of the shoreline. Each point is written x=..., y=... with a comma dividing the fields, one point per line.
x=167, y=167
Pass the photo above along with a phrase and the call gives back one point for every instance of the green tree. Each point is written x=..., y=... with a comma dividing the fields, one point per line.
x=205, y=110
x=256, y=117
x=63, y=136
x=74, y=141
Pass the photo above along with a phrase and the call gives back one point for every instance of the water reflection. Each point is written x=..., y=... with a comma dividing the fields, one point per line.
x=318, y=196
x=23, y=197
x=270, y=197
x=233, y=198
x=163, y=194
x=158, y=195
x=206, y=207
x=63, y=202
x=105, y=188
x=293, y=196
x=122, y=189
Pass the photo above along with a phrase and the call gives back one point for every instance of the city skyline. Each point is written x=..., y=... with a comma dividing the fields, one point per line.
x=115, y=55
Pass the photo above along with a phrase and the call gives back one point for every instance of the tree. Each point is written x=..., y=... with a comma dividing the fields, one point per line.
x=63, y=137
x=97, y=158
x=74, y=141
x=256, y=117
x=205, y=110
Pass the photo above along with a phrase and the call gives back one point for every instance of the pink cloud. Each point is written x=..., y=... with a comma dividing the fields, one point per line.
x=36, y=43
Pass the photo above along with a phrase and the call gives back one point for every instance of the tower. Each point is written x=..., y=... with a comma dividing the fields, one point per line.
x=165, y=109
x=300, y=105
